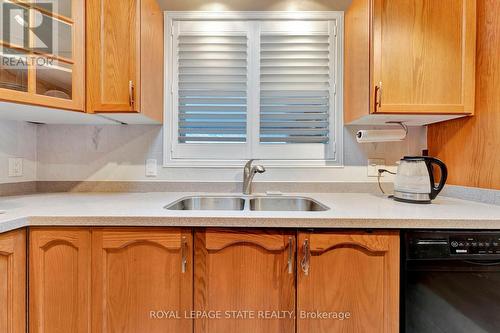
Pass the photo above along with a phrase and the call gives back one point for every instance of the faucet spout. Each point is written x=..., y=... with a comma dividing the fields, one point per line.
x=249, y=172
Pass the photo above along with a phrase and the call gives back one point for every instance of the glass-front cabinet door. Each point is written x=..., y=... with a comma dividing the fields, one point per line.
x=42, y=52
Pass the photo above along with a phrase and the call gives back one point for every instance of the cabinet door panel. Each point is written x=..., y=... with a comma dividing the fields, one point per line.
x=348, y=273
x=13, y=282
x=244, y=271
x=424, y=56
x=137, y=272
x=113, y=50
x=59, y=285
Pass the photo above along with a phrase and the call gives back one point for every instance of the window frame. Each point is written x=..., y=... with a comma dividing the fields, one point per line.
x=217, y=156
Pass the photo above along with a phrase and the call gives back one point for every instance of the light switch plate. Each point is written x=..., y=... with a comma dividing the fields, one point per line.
x=151, y=168
x=373, y=165
x=15, y=167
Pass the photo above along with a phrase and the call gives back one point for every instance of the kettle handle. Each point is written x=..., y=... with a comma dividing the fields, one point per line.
x=444, y=175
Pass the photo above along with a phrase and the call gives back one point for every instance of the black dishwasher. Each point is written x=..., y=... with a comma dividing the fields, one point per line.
x=450, y=282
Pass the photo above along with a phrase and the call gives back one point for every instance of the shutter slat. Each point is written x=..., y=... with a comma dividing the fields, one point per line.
x=187, y=78
x=229, y=86
x=212, y=101
x=213, y=71
x=292, y=101
x=212, y=85
x=293, y=62
x=294, y=83
x=285, y=86
x=294, y=70
x=211, y=139
x=198, y=93
x=293, y=124
x=296, y=39
x=292, y=77
x=294, y=139
x=294, y=108
x=223, y=117
x=213, y=63
x=213, y=55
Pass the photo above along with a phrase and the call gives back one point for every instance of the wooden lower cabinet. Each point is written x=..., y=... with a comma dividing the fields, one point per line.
x=348, y=282
x=13, y=282
x=244, y=270
x=141, y=280
x=59, y=280
x=136, y=280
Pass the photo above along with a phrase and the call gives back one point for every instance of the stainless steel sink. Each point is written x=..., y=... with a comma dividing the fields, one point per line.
x=208, y=203
x=254, y=203
x=300, y=204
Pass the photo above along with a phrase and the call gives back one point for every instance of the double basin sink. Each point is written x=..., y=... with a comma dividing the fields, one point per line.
x=252, y=203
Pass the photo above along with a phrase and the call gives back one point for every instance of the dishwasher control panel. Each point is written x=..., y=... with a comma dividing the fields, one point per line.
x=474, y=244
x=452, y=244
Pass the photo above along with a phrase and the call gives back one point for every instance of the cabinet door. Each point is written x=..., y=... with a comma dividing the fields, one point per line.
x=13, y=282
x=353, y=278
x=423, y=56
x=142, y=280
x=244, y=271
x=43, y=60
x=59, y=280
x=113, y=55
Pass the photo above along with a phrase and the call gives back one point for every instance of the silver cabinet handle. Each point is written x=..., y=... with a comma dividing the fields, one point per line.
x=290, y=255
x=184, y=254
x=378, y=96
x=131, y=93
x=304, y=264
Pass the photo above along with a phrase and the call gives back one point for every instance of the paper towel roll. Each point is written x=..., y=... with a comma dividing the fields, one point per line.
x=365, y=136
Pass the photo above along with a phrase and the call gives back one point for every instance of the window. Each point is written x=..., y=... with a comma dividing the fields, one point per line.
x=253, y=85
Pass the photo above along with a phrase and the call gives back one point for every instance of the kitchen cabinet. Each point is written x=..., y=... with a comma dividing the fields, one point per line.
x=42, y=55
x=141, y=280
x=125, y=60
x=351, y=276
x=409, y=58
x=59, y=280
x=242, y=270
x=13, y=282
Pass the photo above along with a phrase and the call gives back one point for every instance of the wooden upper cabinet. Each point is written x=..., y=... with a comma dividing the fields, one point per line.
x=125, y=58
x=137, y=274
x=352, y=276
x=244, y=270
x=410, y=57
x=59, y=280
x=43, y=63
x=13, y=282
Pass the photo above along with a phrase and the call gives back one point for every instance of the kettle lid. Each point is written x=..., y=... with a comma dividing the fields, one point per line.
x=413, y=158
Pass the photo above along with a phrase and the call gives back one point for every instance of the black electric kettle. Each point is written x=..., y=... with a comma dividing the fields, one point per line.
x=415, y=179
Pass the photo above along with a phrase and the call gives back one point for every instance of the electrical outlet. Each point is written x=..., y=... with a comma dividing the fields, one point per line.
x=373, y=165
x=15, y=167
x=151, y=168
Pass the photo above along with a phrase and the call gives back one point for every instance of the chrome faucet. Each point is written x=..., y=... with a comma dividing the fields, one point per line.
x=248, y=173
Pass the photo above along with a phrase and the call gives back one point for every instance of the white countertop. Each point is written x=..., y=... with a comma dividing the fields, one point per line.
x=347, y=210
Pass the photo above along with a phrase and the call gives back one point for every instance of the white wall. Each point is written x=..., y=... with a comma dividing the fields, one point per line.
x=119, y=152
x=18, y=139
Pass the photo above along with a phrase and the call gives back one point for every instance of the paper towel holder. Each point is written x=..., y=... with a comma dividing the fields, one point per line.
x=400, y=123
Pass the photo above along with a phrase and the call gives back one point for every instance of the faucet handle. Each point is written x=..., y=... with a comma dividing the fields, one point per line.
x=259, y=169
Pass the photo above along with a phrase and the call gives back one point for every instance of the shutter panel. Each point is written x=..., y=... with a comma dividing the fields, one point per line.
x=294, y=88
x=212, y=88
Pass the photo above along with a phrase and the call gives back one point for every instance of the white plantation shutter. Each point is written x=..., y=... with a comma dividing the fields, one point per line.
x=294, y=88
x=253, y=87
x=212, y=95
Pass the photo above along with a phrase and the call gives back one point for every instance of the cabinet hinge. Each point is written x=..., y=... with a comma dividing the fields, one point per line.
x=335, y=89
x=335, y=30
